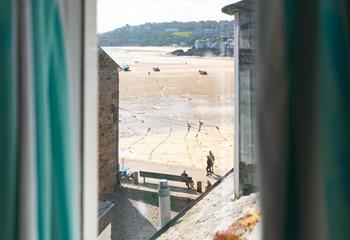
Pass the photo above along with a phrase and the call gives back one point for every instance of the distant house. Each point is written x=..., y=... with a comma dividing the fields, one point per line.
x=171, y=29
x=209, y=32
x=198, y=44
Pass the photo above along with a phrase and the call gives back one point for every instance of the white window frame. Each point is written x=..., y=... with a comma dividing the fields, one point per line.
x=79, y=20
x=90, y=123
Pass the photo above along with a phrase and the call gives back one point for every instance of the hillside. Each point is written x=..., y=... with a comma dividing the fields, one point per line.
x=166, y=34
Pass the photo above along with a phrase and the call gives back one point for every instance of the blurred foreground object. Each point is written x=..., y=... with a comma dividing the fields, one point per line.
x=303, y=118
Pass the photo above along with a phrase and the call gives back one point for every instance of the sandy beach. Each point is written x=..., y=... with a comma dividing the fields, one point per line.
x=175, y=116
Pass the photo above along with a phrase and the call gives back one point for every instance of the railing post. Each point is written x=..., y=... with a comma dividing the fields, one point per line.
x=164, y=202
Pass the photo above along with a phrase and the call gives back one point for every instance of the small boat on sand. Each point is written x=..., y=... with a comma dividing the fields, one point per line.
x=202, y=72
x=126, y=68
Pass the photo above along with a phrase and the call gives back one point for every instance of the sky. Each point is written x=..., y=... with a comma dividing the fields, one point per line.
x=112, y=14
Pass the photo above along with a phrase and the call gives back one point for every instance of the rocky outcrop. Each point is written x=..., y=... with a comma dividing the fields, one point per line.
x=203, y=52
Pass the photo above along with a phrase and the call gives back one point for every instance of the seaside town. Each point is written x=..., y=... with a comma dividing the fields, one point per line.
x=174, y=120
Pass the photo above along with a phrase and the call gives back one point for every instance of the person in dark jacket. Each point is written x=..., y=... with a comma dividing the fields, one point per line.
x=184, y=174
x=212, y=158
x=209, y=166
x=190, y=181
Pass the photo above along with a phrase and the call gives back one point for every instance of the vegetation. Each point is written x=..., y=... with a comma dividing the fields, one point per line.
x=182, y=34
x=166, y=34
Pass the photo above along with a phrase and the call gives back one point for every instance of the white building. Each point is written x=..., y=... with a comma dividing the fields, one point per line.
x=198, y=44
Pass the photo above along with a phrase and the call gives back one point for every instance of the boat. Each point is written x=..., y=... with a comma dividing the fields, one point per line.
x=202, y=72
x=126, y=68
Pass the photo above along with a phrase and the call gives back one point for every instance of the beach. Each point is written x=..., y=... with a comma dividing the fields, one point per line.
x=175, y=116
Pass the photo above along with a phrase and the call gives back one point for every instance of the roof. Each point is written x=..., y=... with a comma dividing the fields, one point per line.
x=178, y=217
x=212, y=214
x=244, y=5
x=102, y=53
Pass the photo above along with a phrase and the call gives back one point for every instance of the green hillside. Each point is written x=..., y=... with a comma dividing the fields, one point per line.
x=182, y=34
x=166, y=34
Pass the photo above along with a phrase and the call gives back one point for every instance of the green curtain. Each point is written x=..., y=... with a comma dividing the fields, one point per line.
x=36, y=165
x=334, y=112
x=304, y=116
x=8, y=123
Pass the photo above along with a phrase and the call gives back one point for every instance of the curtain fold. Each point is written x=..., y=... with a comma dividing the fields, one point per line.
x=334, y=112
x=36, y=168
x=304, y=116
x=8, y=122
x=27, y=145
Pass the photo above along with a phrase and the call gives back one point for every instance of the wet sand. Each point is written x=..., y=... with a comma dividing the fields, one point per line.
x=175, y=116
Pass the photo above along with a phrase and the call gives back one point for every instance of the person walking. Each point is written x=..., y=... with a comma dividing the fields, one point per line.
x=212, y=158
x=209, y=165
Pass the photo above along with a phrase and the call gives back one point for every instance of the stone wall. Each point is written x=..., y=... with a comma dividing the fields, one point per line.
x=245, y=53
x=108, y=123
x=247, y=96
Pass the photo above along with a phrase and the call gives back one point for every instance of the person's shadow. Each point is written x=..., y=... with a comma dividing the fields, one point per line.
x=215, y=176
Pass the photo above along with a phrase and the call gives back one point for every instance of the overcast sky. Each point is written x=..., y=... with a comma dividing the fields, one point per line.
x=112, y=14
